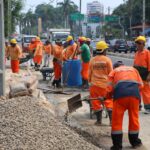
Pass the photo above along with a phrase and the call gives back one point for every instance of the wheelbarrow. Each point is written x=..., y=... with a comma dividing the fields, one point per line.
x=26, y=59
x=47, y=72
x=75, y=103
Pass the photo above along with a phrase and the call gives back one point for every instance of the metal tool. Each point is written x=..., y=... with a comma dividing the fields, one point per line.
x=76, y=102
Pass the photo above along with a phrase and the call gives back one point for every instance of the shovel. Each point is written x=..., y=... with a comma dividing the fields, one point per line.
x=75, y=102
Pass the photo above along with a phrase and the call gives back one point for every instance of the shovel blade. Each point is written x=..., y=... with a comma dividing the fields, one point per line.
x=74, y=103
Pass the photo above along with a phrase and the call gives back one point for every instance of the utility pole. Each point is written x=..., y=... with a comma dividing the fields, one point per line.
x=2, y=65
x=143, y=16
x=9, y=17
x=80, y=26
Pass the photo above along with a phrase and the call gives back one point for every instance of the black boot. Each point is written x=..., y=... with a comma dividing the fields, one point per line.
x=134, y=140
x=117, y=141
x=110, y=116
x=54, y=83
x=58, y=83
x=83, y=83
x=98, y=117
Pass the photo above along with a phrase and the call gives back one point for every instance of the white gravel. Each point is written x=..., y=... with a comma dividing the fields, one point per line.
x=26, y=124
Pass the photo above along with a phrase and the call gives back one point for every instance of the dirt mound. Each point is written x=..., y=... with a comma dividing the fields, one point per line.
x=26, y=123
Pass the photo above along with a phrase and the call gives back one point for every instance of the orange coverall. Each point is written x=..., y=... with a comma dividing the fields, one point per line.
x=57, y=52
x=99, y=69
x=38, y=53
x=69, y=52
x=15, y=53
x=142, y=61
x=124, y=85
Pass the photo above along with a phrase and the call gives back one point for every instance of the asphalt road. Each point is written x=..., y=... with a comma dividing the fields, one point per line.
x=126, y=61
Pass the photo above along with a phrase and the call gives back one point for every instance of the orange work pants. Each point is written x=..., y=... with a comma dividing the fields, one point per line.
x=97, y=105
x=15, y=66
x=37, y=59
x=119, y=107
x=146, y=95
x=57, y=70
x=85, y=70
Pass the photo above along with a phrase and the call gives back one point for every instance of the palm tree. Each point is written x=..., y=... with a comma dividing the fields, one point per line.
x=67, y=6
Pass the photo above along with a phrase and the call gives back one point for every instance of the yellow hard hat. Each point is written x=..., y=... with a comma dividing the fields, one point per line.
x=13, y=41
x=82, y=39
x=37, y=38
x=69, y=38
x=141, y=38
x=101, y=46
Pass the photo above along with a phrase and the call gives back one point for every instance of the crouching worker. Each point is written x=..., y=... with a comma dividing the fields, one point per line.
x=124, y=85
x=99, y=68
x=15, y=53
x=57, y=62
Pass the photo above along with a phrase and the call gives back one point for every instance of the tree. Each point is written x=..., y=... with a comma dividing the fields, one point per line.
x=12, y=10
x=68, y=7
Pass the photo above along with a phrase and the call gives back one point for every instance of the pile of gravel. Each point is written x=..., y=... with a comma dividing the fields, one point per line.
x=26, y=124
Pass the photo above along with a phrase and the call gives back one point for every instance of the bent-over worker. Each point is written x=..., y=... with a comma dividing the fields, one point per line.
x=124, y=85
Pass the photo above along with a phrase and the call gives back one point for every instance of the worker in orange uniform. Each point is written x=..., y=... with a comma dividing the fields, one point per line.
x=84, y=50
x=57, y=62
x=47, y=53
x=99, y=69
x=38, y=54
x=142, y=64
x=124, y=85
x=70, y=51
x=15, y=53
x=32, y=47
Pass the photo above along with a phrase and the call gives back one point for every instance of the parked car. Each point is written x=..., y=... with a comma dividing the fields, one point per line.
x=26, y=39
x=120, y=46
x=132, y=46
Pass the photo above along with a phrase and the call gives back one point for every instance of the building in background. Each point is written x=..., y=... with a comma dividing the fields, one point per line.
x=93, y=19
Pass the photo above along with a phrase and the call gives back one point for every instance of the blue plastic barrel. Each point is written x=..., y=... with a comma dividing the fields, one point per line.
x=72, y=73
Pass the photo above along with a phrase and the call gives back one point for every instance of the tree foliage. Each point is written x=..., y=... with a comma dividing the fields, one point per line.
x=12, y=10
x=52, y=17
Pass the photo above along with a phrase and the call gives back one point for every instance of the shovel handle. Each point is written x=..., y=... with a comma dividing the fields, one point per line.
x=98, y=98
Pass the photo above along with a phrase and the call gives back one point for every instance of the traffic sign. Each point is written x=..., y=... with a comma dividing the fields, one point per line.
x=111, y=18
x=76, y=17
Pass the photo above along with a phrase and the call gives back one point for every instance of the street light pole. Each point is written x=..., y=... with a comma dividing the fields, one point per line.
x=143, y=16
x=2, y=65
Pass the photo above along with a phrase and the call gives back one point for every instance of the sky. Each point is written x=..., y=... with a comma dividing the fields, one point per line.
x=107, y=3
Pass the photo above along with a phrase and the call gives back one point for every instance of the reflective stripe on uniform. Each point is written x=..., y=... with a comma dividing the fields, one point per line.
x=116, y=132
x=133, y=132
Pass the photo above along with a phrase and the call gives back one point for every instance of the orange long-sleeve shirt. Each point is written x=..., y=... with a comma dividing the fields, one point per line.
x=39, y=49
x=47, y=49
x=69, y=52
x=142, y=59
x=32, y=47
x=57, y=51
x=99, y=69
x=14, y=52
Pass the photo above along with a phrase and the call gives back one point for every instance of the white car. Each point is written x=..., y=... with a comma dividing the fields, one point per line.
x=148, y=43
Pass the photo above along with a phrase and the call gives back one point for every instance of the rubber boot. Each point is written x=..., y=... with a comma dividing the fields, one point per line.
x=86, y=84
x=58, y=83
x=54, y=83
x=117, y=141
x=99, y=118
x=110, y=116
x=134, y=140
x=83, y=83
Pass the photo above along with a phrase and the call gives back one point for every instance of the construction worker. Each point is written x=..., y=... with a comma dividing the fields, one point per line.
x=142, y=64
x=32, y=48
x=124, y=86
x=57, y=62
x=88, y=42
x=99, y=69
x=15, y=53
x=47, y=53
x=69, y=52
x=85, y=57
x=38, y=53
